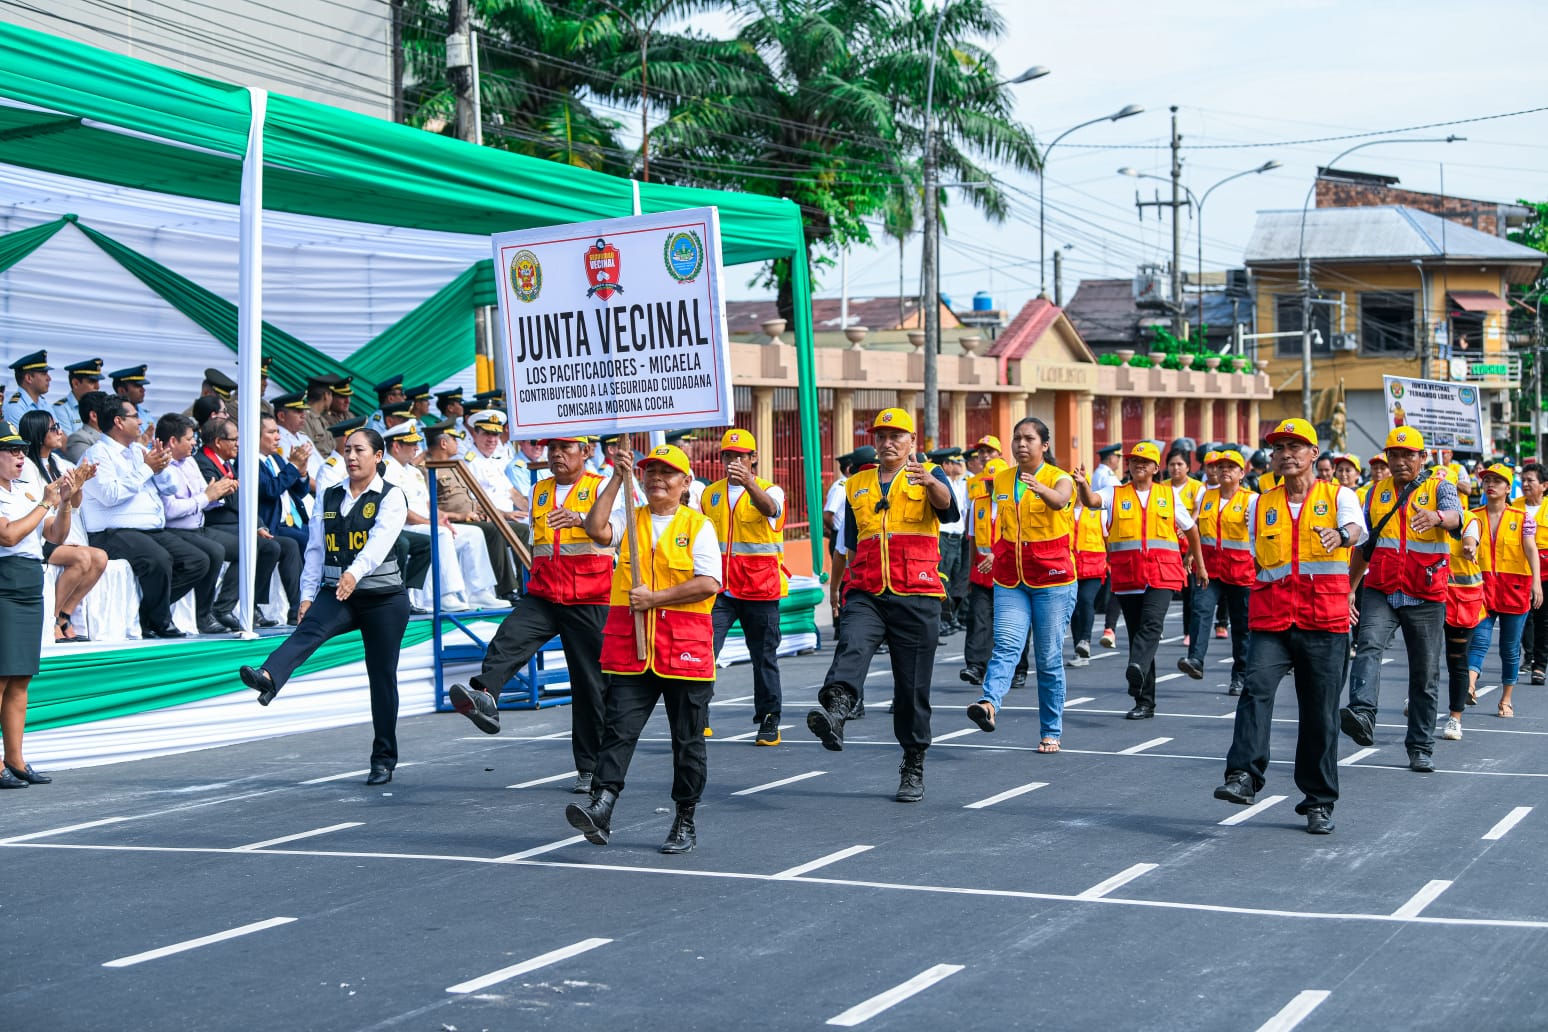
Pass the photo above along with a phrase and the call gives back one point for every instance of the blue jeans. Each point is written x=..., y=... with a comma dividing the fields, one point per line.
x=1510, y=644
x=1045, y=613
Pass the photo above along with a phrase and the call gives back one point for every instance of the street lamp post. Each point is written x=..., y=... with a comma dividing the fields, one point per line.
x=1303, y=267
x=1128, y=110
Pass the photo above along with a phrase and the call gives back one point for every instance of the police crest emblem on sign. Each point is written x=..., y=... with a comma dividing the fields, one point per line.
x=526, y=276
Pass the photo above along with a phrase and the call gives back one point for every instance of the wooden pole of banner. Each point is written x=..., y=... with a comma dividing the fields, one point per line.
x=634, y=550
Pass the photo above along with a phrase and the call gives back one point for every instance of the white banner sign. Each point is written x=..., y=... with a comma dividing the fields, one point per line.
x=1447, y=414
x=614, y=326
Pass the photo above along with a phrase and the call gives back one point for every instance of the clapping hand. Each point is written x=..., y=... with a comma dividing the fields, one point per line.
x=51, y=492
x=157, y=456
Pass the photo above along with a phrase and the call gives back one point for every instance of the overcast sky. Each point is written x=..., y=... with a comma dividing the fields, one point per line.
x=1241, y=73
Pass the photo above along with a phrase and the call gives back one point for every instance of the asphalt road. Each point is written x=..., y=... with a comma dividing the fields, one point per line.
x=264, y=886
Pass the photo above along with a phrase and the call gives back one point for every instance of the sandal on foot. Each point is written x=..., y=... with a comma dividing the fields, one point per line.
x=1505, y=710
x=1048, y=745
x=982, y=714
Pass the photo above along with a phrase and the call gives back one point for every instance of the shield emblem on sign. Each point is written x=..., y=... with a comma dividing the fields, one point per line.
x=602, y=265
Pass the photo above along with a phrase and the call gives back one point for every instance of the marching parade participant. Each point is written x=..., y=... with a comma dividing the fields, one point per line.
x=1104, y=475
x=1507, y=554
x=1188, y=491
x=1224, y=536
x=979, y=641
x=1376, y=469
x=657, y=639
x=567, y=597
x=1346, y=471
x=952, y=534
x=1410, y=515
x=1534, y=636
x=1034, y=579
x=1300, y=532
x=352, y=581
x=1464, y=611
x=748, y=514
x=85, y=377
x=891, y=534
x=1090, y=578
x=1145, y=523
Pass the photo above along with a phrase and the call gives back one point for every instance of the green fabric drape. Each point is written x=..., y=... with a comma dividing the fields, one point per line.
x=435, y=340
x=18, y=245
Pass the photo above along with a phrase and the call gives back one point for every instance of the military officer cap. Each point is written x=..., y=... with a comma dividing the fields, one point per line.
x=398, y=410
x=220, y=383
x=865, y=455
x=610, y=439
x=345, y=387
x=419, y=392
x=388, y=385
x=489, y=399
x=446, y=399
x=447, y=427
x=90, y=369
x=404, y=432
x=10, y=440
x=329, y=381
x=294, y=400
x=265, y=364
x=490, y=421
x=133, y=374
x=945, y=455
x=675, y=436
x=37, y=362
x=1109, y=450
x=345, y=427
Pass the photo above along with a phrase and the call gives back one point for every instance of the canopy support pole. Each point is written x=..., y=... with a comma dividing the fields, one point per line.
x=806, y=393
x=250, y=352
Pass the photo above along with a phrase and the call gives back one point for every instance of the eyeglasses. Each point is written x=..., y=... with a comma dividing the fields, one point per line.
x=53, y=428
x=232, y=440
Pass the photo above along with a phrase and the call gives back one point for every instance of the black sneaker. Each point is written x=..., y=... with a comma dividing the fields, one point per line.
x=1319, y=820
x=1083, y=649
x=479, y=707
x=828, y=728
x=1238, y=686
x=1420, y=762
x=1237, y=788
x=1356, y=726
x=1192, y=667
x=768, y=731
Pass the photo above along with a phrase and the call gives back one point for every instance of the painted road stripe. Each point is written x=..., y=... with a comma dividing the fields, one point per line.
x=1122, y=878
x=1077, y=702
x=552, y=957
x=1009, y=793
x=1510, y=820
x=746, y=735
x=1423, y=898
x=821, y=861
x=266, y=843
x=1485, y=690
x=780, y=783
x=948, y=659
x=1296, y=1011
x=545, y=781
x=1386, y=660
x=1252, y=811
x=1104, y=655
x=955, y=734
x=540, y=850
x=1168, y=641
x=348, y=774
x=63, y=831
x=193, y=944
x=731, y=702
x=1168, y=677
x=1134, y=749
x=1228, y=659
x=1355, y=757
x=863, y=1012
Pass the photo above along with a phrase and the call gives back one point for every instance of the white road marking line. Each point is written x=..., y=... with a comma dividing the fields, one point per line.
x=551, y=957
x=1009, y=793
x=1122, y=878
x=748, y=735
x=1423, y=898
x=1168, y=677
x=1104, y=655
x=1228, y=659
x=1485, y=690
x=1355, y=757
x=348, y=774
x=62, y=831
x=863, y=1012
x=1385, y=660
x=193, y=944
x=549, y=738
x=1510, y=820
x=948, y=659
x=731, y=702
x=1136, y=749
x=780, y=783
x=1296, y=1011
x=266, y=843
x=1252, y=811
x=1168, y=641
x=878, y=673
x=540, y=850
x=955, y=734
x=791, y=873
x=1077, y=702
x=545, y=781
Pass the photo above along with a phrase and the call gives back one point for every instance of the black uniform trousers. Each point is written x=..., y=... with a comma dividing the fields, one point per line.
x=979, y=644
x=413, y=552
x=380, y=617
x=630, y=700
x=1319, y=660
x=225, y=535
x=531, y=624
x=166, y=565
x=760, y=629
x=1459, y=675
x=1144, y=615
x=910, y=625
x=951, y=571
x=1087, y=594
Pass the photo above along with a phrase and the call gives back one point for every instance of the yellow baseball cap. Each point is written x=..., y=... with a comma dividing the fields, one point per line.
x=1293, y=430
x=1211, y=456
x=1230, y=455
x=994, y=466
x=1349, y=457
x=1145, y=450
x=1499, y=469
x=989, y=441
x=1380, y=457
x=668, y=455
x=738, y=441
x=1406, y=438
x=894, y=419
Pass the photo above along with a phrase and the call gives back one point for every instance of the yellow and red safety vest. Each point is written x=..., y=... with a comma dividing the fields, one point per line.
x=567, y=566
x=897, y=536
x=1507, y=576
x=1465, y=589
x=752, y=552
x=680, y=638
x=1033, y=544
x=1300, y=583
x=1406, y=560
x=1223, y=532
x=1090, y=546
x=1142, y=540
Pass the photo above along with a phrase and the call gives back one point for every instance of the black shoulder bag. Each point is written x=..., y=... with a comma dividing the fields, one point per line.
x=1369, y=548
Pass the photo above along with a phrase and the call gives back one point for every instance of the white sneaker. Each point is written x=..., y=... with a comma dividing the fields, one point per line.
x=488, y=600
x=453, y=604
x=1453, y=730
x=1080, y=660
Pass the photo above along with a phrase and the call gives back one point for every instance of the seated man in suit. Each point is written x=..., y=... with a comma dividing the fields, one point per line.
x=89, y=408
x=216, y=459
x=282, y=489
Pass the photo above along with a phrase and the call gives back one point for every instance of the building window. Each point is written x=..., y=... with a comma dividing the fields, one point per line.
x=1287, y=319
x=1387, y=322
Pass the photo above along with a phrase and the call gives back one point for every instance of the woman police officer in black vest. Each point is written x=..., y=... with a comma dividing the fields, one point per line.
x=352, y=581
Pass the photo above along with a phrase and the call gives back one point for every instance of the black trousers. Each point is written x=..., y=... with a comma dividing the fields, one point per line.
x=910, y=625
x=980, y=633
x=1534, y=639
x=630, y=700
x=760, y=629
x=1458, y=675
x=951, y=570
x=231, y=585
x=957, y=590
x=1235, y=598
x=1145, y=615
x=1087, y=594
x=1318, y=659
x=380, y=617
x=1189, y=593
x=214, y=555
x=531, y=624
x=166, y=565
x=292, y=557
x=413, y=551
x=1108, y=605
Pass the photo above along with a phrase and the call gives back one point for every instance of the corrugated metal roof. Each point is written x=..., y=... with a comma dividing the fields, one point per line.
x=1392, y=232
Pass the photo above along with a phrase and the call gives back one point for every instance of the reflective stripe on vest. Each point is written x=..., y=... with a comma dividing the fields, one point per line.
x=680, y=638
x=1227, y=553
x=1507, y=576
x=568, y=568
x=1299, y=583
x=1142, y=547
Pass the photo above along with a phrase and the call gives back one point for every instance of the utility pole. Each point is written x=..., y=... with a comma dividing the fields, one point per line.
x=399, y=114
x=930, y=274
x=1059, y=277
x=462, y=71
x=1181, y=198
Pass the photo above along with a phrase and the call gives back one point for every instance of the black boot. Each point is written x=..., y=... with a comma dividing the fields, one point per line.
x=911, y=777
x=681, y=838
x=595, y=819
x=827, y=723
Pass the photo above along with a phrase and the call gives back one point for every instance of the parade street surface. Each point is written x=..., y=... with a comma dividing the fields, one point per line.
x=264, y=886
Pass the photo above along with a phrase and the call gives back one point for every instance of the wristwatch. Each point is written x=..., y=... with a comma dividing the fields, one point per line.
x=1343, y=536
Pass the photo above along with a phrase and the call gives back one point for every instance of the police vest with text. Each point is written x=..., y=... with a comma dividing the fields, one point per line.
x=1407, y=560
x=1542, y=553
x=752, y=551
x=1300, y=582
x=680, y=639
x=1465, y=587
x=1142, y=541
x=1507, y=577
x=1034, y=544
x=567, y=566
x=1223, y=533
x=1090, y=545
x=345, y=535
x=897, y=535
